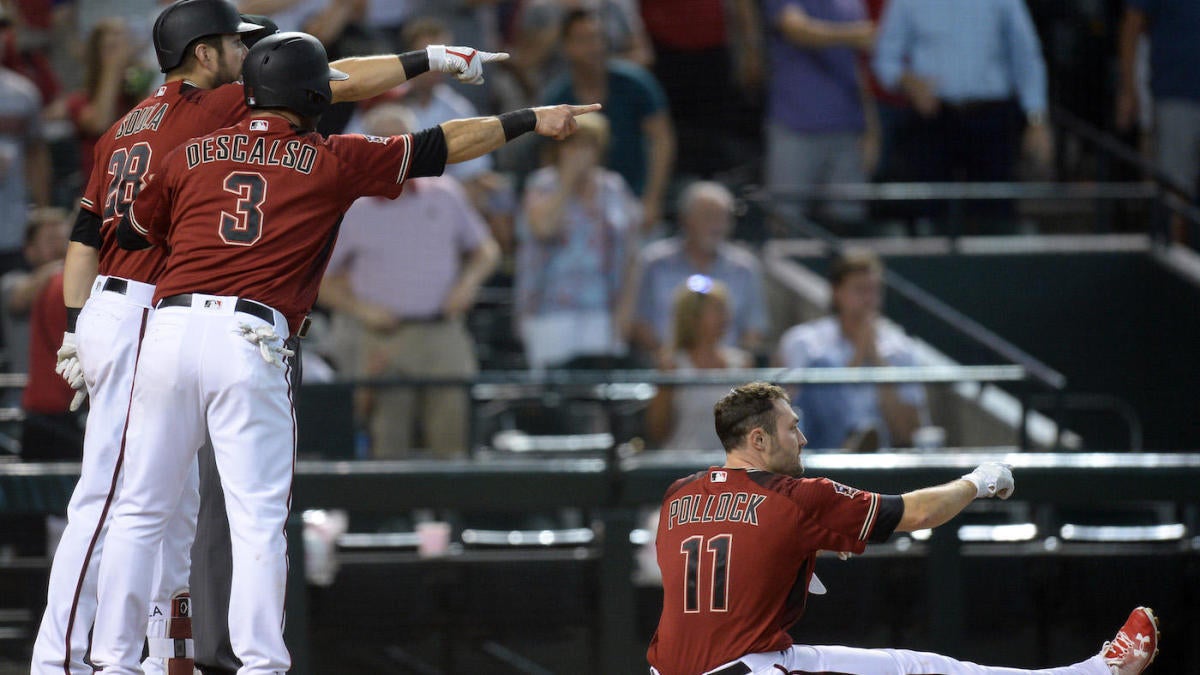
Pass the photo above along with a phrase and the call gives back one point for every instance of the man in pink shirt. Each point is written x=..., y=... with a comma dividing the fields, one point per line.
x=406, y=272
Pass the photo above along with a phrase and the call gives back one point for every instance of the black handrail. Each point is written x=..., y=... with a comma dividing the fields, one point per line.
x=958, y=321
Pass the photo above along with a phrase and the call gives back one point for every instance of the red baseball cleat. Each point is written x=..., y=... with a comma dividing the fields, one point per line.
x=1135, y=646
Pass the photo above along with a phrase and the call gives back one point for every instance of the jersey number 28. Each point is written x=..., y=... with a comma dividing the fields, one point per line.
x=127, y=167
x=692, y=548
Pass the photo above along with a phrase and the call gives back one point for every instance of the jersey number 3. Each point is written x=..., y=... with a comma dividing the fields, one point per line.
x=243, y=227
x=692, y=548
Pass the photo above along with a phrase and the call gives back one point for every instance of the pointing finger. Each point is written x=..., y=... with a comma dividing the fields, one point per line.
x=78, y=400
x=488, y=57
x=577, y=110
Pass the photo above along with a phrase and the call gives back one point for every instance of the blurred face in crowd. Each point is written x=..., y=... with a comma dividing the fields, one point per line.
x=859, y=297
x=49, y=243
x=707, y=221
x=713, y=320
x=583, y=43
x=427, y=81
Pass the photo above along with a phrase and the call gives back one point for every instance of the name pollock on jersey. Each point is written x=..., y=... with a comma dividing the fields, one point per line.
x=223, y=147
x=142, y=119
x=726, y=507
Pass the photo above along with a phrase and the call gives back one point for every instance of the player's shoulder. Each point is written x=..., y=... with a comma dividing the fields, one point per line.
x=685, y=482
x=801, y=488
x=221, y=94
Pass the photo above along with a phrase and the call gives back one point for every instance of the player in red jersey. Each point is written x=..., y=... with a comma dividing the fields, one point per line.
x=249, y=214
x=198, y=44
x=737, y=546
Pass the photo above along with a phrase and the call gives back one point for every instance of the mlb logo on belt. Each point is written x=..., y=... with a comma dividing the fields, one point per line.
x=212, y=304
x=718, y=476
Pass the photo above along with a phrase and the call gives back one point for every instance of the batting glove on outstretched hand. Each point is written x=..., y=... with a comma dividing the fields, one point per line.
x=992, y=480
x=68, y=367
x=465, y=63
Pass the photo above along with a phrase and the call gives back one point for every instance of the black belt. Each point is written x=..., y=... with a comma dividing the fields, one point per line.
x=738, y=668
x=243, y=305
x=116, y=285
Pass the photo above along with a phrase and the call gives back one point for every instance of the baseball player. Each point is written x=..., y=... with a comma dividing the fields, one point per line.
x=249, y=214
x=198, y=47
x=737, y=546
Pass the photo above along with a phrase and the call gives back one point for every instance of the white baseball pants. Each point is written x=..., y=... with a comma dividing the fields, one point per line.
x=197, y=374
x=802, y=659
x=109, y=333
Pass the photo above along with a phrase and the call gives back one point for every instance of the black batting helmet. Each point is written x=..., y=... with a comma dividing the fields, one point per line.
x=265, y=27
x=290, y=71
x=186, y=21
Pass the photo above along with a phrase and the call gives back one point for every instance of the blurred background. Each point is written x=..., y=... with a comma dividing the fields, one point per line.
x=956, y=231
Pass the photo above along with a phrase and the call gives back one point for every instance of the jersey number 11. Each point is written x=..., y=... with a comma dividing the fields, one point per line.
x=692, y=549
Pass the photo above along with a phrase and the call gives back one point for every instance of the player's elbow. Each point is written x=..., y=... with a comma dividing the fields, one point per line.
x=128, y=238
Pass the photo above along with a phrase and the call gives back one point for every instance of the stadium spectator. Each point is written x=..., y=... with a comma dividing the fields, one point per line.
x=577, y=235
x=1174, y=82
x=433, y=245
x=25, y=45
x=24, y=159
x=643, y=139
x=855, y=416
x=50, y=431
x=111, y=86
x=966, y=67
x=822, y=126
x=432, y=100
x=680, y=417
x=706, y=220
x=42, y=258
x=624, y=32
x=723, y=41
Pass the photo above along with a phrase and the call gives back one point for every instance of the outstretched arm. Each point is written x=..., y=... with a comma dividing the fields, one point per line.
x=373, y=75
x=470, y=138
x=934, y=506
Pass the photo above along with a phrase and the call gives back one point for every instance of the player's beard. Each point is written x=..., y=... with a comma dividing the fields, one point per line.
x=790, y=463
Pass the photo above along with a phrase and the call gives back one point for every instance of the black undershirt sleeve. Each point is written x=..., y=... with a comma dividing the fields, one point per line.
x=429, y=153
x=891, y=509
x=128, y=238
x=86, y=229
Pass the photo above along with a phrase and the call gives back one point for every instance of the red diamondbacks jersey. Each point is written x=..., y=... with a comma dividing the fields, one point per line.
x=133, y=149
x=253, y=210
x=737, y=549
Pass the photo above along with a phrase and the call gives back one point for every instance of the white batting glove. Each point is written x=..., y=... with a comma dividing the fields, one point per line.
x=71, y=371
x=465, y=63
x=992, y=480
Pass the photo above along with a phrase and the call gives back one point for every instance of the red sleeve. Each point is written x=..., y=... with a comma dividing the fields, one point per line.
x=150, y=214
x=93, y=195
x=839, y=517
x=374, y=166
x=227, y=103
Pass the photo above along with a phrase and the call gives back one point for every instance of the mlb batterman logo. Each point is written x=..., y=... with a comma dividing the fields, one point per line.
x=718, y=476
x=258, y=125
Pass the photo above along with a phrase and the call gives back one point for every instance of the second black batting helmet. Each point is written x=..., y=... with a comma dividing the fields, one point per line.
x=290, y=71
x=186, y=21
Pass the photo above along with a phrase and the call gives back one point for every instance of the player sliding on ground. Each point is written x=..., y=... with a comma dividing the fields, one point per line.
x=737, y=546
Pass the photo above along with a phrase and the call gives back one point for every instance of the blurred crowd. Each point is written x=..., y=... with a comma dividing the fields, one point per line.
x=617, y=247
